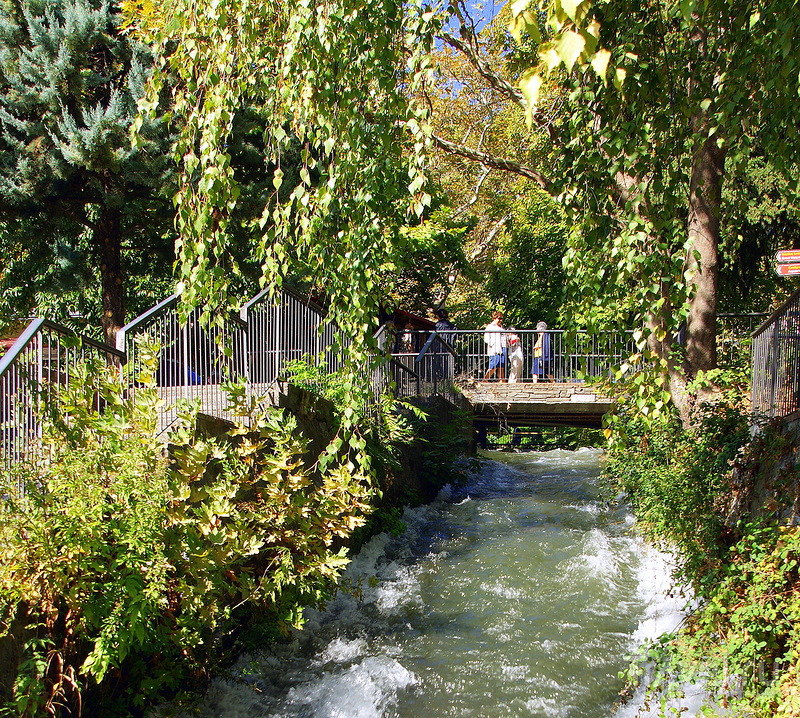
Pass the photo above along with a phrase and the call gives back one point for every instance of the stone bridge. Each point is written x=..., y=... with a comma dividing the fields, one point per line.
x=544, y=403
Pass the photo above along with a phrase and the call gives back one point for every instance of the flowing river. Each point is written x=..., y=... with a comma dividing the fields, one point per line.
x=519, y=593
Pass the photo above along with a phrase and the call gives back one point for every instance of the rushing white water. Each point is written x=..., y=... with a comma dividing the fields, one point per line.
x=518, y=594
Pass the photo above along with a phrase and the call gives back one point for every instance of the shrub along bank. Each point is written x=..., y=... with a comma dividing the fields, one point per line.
x=725, y=505
x=127, y=576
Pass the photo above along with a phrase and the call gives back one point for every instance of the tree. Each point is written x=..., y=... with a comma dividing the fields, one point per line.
x=520, y=234
x=340, y=217
x=667, y=101
x=71, y=184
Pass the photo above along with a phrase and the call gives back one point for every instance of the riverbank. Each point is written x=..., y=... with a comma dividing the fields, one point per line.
x=724, y=499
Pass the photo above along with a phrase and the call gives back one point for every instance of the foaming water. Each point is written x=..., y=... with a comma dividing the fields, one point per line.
x=517, y=594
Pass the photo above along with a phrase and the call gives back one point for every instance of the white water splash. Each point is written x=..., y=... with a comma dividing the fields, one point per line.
x=502, y=599
x=666, y=606
x=365, y=690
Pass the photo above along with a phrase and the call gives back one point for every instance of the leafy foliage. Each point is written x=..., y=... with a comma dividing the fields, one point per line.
x=671, y=106
x=693, y=493
x=361, y=141
x=676, y=481
x=116, y=555
x=742, y=641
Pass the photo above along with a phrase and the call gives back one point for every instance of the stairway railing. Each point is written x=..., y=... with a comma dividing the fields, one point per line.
x=40, y=361
x=193, y=358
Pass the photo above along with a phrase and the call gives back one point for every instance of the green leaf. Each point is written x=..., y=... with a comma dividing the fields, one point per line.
x=529, y=84
x=571, y=8
x=569, y=47
x=600, y=62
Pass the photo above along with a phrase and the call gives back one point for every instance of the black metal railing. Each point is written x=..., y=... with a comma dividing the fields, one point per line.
x=776, y=362
x=192, y=359
x=740, y=324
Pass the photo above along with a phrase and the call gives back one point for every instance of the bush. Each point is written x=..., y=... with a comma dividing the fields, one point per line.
x=678, y=481
x=121, y=568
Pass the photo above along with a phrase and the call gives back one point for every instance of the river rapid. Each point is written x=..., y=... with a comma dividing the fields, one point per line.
x=520, y=593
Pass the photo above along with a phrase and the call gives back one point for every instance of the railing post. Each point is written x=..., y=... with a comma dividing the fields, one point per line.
x=774, y=367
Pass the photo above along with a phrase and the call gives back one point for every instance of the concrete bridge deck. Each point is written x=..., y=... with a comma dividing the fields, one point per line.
x=544, y=403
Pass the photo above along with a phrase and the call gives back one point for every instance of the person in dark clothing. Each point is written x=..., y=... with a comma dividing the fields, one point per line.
x=446, y=331
x=445, y=327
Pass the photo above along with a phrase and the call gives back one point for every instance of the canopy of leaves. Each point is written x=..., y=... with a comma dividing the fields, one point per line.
x=331, y=80
x=519, y=238
x=650, y=83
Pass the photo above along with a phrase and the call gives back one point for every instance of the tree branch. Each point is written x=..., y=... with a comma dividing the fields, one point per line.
x=495, y=162
x=494, y=80
x=472, y=200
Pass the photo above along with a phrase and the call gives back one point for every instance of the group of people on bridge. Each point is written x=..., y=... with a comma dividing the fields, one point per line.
x=500, y=356
x=504, y=350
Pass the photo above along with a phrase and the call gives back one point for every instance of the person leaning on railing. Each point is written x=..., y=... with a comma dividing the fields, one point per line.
x=542, y=354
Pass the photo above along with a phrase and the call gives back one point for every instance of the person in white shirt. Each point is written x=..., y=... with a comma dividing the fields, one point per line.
x=515, y=357
x=495, y=339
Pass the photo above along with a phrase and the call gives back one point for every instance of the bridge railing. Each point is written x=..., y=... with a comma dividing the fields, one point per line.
x=192, y=359
x=32, y=371
x=740, y=324
x=776, y=362
x=564, y=357
x=284, y=328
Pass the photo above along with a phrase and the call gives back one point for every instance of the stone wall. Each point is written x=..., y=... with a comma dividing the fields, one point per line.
x=766, y=479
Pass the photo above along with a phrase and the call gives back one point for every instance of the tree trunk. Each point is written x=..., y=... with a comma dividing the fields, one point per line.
x=703, y=226
x=108, y=243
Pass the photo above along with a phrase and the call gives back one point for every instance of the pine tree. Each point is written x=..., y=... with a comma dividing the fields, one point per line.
x=69, y=176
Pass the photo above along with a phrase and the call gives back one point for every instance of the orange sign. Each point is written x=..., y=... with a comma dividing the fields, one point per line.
x=788, y=255
x=787, y=270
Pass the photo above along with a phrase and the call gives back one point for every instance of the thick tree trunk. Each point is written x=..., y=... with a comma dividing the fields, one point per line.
x=108, y=243
x=703, y=225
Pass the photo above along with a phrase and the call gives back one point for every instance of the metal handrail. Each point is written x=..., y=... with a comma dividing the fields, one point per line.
x=34, y=327
x=780, y=310
x=775, y=379
x=574, y=356
x=142, y=318
x=192, y=357
x=34, y=369
x=310, y=303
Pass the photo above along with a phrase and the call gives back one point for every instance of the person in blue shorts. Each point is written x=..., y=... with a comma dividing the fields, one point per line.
x=495, y=338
